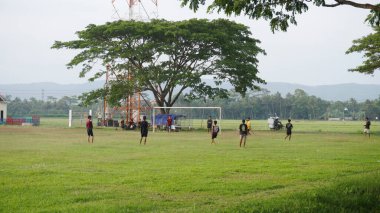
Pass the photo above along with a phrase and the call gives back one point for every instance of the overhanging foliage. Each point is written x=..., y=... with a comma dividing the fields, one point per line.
x=280, y=13
x=370, y=46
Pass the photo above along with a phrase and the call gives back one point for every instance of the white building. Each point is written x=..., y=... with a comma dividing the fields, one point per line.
x=3, y=109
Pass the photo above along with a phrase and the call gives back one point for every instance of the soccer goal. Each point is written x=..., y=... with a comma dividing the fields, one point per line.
x=185, y=118
x=78, y=118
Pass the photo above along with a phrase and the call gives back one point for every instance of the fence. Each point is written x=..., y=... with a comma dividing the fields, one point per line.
x=34, y=120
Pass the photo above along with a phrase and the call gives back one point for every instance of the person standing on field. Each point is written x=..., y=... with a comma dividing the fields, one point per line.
x=169, y=123
x=248, y=122
x=144, y=129
x=209, y=124
x=89, y=127
x=214, y=132
x=243, y=129
x=367, y=126
x=289, y=128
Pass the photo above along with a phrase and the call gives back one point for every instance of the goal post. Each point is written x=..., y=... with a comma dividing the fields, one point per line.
x=78, y=118
x=154, y=123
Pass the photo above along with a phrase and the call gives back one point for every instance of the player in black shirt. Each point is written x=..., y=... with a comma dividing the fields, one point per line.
x=144, y=129
x=209, y=124
x=289, y=128
x=243, y=129
x=367, y=126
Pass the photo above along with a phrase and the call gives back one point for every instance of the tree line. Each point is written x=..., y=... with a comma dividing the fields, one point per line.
x=298, y=105
x=257, y=105
x=52, y=107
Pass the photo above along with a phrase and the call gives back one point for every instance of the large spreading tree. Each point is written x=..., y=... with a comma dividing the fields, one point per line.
x=166, y=57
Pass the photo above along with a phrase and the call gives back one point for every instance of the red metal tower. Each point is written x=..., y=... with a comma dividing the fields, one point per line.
x=142, y=10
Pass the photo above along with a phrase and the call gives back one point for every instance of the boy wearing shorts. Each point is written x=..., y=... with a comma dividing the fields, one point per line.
x=89, y=127
x=144, y=129
x=367, y=126
x=289, y=128
x=243, y=129
x=214, y=132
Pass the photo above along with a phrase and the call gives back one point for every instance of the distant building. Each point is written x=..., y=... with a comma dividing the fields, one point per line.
x=334, y=119
x=3, y=109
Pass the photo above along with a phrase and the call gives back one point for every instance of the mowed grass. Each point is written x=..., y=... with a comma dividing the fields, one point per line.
x=54, y=169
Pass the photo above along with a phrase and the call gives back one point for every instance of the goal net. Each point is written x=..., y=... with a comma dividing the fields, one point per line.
x=185, y=118
x=78, y=118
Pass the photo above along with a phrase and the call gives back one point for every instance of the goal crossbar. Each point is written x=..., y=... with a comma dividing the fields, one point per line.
x=154, y=113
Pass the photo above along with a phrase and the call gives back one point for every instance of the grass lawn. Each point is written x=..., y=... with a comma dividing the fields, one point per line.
x=326, y=167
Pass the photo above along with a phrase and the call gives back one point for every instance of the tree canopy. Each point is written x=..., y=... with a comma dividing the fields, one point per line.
x=166, y=57
x=370, y=46
x=280, y=13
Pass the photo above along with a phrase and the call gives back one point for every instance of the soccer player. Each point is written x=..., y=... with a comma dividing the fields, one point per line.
x=214, y=132
x=209, y=124
x=243, y=129
x=169, y=123
x=122, y=124
x=144, y=129
x=367, y=127
x=248, y=122
x=89, y=127
x=289, y=128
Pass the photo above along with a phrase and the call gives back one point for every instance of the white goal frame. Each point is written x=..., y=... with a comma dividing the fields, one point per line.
x=71, y=116
x=154, y=113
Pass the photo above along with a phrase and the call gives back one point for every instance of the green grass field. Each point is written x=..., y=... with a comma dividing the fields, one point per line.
x=327, y=167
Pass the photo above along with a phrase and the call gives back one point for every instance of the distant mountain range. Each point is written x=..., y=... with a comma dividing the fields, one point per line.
x=45, y=89
x=338, y=92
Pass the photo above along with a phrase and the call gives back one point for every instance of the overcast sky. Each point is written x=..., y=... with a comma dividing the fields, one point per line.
x=311, y=53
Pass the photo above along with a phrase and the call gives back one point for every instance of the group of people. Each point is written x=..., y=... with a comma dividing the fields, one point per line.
x=245, y=129
x=128, y=125
x=143, y=129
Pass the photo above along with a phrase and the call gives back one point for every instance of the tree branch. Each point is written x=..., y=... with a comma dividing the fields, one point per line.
x=354, y=4
x=331, y=5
